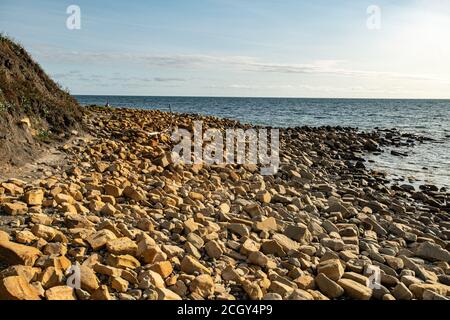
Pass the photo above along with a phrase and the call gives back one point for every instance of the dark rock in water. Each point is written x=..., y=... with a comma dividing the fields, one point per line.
x=398, y=154
x=407, y=187
x=360, y=165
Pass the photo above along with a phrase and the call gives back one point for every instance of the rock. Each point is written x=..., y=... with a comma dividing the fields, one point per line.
x=190, y=265
x=431, y=295
x=17, y=288
x=13, y=253
x=203, y=285
x=164, y=268
x=224, y=208
x=121, y=246
x=25, y=237
x=299, y=233
x=102, y=293
x=272, y=296
x=63, y=198
x=119, y=284
x=394, y=262
x=261, y=260
x=196, y=196
x=125, y=261
x=253, y=210
x=108, y=210
x=432, y=252
x=60, y=293
x=55, y=248
x=4, y=236
x=281, y=288
x=333, y=244
x=34, y=197
x=419, y=289
x=166, y=294
x=213, y=249
x=150, y=277
x=286, y=243
x=269, y=224
x=51, y=277
x=263, y=196
x=133, y=193
x=88, y=279
x=305, y=282
x=299, y=294
x=112, y=190
x=101, y=166
x=355, y=290
x=48, y=233
x=249, y=246
x=401, y=292
x=240, y=229
x=330, y=288
x=99, y=239
x=15, y=208
x=254, y=291
x=273, y=247
x=331, y=268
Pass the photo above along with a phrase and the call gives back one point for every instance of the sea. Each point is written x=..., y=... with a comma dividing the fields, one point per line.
x=426, y=163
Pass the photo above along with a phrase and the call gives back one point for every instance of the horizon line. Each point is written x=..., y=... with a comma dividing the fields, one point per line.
x=256, y=97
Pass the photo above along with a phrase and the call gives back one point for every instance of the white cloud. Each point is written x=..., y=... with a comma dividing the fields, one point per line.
x=232, y=63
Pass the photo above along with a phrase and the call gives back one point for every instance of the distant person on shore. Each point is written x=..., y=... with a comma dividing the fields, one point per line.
x=107, y=104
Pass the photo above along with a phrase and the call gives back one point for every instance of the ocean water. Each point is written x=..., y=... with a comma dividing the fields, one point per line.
x=427, y=162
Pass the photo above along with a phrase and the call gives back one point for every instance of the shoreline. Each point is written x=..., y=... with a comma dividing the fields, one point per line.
x=145, y=228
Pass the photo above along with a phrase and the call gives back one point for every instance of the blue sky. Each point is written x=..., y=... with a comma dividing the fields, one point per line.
x=287, y=48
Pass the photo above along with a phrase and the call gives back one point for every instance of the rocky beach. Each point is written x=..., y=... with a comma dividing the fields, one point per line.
x=143, y=228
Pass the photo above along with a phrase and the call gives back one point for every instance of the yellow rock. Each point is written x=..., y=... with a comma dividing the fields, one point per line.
x=102, y=293
x=14, y=253
x=88, y=279
x=34, y=197
x=15, y=208
x=203, y=285
x=191, y=265
x=166, y=294
x=51, y=277
x=60, y=293
x=4, y=236
x=119, y=284
x=99, y=239
x=355, y=290
x=122, y=245
x=164, y=268
x=61, y=198
x=122, y=261
x=17, y=288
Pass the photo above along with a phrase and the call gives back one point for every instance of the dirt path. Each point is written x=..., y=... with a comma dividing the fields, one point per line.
x=44, y=165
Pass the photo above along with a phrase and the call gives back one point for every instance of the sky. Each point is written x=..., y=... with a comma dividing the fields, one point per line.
x=276, y=48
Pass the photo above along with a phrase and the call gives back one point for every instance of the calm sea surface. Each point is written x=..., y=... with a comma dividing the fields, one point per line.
x=427, y=162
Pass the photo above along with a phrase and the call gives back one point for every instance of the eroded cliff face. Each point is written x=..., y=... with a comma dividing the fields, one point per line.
x=33, y=108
